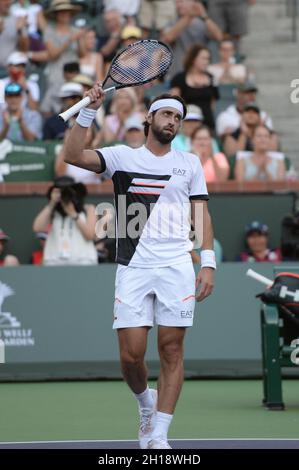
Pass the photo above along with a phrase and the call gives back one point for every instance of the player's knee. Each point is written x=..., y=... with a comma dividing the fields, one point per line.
x=131, y=357
x=171, y=353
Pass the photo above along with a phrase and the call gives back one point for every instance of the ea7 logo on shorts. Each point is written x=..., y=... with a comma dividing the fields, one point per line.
x=178, y=172
x=186, y=313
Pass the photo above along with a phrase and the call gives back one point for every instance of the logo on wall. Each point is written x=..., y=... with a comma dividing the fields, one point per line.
x=11, y=331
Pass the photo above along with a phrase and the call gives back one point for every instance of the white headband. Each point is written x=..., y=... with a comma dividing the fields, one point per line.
x=165, y=103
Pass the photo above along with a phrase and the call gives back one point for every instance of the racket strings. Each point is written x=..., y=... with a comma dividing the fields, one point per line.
x=141, y=63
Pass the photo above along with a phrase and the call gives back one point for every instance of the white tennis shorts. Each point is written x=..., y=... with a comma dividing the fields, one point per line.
x=144, y=296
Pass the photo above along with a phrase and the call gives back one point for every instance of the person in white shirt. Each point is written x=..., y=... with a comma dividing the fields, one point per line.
x=155, y=280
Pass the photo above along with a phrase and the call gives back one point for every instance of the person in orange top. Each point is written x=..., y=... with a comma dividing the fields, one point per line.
x=38, y=255
x=215, y=165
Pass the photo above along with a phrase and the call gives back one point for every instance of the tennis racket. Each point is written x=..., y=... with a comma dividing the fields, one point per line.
x=139, y=63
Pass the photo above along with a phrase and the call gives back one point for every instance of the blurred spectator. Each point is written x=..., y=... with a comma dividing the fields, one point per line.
x=227, y=71
x=230, y=120
x=215, y=165
x=241, y=139
x=156, y=15
x=38, y=255
x=16, y=67
x=257, y=240
x=35, y=21
x=62, y=44
x=124, y=105
x=6, y=260
x=196, y=84
x=13, y=32
x=110, y=39
x=84, y=80
x=54, y=127
x=193, y=120
x=106, y=249
x=260, y=164
x=18, y=123
x=70, y=238
x=193, y=26
x=134, y=132
x=130, y=34
x=91, y=62
x=231, y=16
x=127, y=8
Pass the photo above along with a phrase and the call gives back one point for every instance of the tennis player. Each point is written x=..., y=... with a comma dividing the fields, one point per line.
x=155, y=280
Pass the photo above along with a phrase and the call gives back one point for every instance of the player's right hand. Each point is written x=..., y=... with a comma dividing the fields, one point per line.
x=96, y=95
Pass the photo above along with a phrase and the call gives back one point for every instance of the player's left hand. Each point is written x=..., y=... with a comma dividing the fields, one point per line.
x=205, y=283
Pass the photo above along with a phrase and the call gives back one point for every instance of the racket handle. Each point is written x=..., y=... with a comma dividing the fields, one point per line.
x=259, y=277
x=66, y=115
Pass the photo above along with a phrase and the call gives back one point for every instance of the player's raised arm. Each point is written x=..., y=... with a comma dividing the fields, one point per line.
x=75, y=154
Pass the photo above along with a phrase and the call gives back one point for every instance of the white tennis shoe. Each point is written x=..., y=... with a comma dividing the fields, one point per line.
x=147, y=422
x=158, y=443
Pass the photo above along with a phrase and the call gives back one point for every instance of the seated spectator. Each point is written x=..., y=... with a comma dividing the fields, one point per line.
x=13, y=32
x=193, y=120
x=38, y=255
x=215, y=165
x=192, y=26
x=196, y=85
x=227, y=71
x=54, y=127
x=230, y=120
x=91, y=62
x=16, y=67
x=62, y=43
x=17, y=123
x=134, y=132
x=257, y=244
x=72, y=225
x=6, y=260
x=241, y=138
x=232, y=17
x=261, y=164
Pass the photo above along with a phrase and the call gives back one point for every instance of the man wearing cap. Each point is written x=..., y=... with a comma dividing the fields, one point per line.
x=241, y=138
x=257, y=239
x=6, y=260
x=17, y=123
x=16, y=67
x=229, y=120
x=155, y=188
x=69, y=94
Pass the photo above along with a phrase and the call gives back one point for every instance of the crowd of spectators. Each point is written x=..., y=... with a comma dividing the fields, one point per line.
x=52, y=51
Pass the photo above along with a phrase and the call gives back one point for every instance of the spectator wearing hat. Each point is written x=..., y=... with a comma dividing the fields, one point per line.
x=257, y=245
x=16, y=67
x=192, y=26
x=130, y=34
x=230, y=120
x=134, y=132
x=91, y=62
x=215, y=165
x=241, y=138
x=38, y=255
x=17, y=123
x=13, y=32
x=62, y=42
x=226, y=71
x=54, y=128
x=72, y=225
x=193, y=120
x=6, y=260
x=261, y=164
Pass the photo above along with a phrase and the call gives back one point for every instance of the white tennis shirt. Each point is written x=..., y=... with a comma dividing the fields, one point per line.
x=152, y=200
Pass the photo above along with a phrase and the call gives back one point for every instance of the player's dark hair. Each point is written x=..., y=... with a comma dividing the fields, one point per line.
x=164, y=96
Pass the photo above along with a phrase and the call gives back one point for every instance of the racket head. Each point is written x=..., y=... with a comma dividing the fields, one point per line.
x=140, y=63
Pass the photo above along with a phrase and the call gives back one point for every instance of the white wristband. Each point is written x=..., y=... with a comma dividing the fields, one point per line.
x=86, y=117
x=207, y=259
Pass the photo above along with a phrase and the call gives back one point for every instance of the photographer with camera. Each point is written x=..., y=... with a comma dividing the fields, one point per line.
x=70, y=225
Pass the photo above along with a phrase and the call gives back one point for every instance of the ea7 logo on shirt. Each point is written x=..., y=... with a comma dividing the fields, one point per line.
x=186, y=313
x=178, y=172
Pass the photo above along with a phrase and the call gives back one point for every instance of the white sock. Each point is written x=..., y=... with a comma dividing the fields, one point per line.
x=163, y=421
x=145, y=399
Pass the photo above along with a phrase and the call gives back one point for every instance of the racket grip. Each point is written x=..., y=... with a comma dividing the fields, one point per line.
x=259, y=277
x=66, y=115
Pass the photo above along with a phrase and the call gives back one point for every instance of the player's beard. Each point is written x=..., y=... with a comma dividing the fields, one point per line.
x=161, y=135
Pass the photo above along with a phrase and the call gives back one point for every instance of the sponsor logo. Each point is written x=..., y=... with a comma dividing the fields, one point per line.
x=11, y=331
x=179, y=171
x=186, y=313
